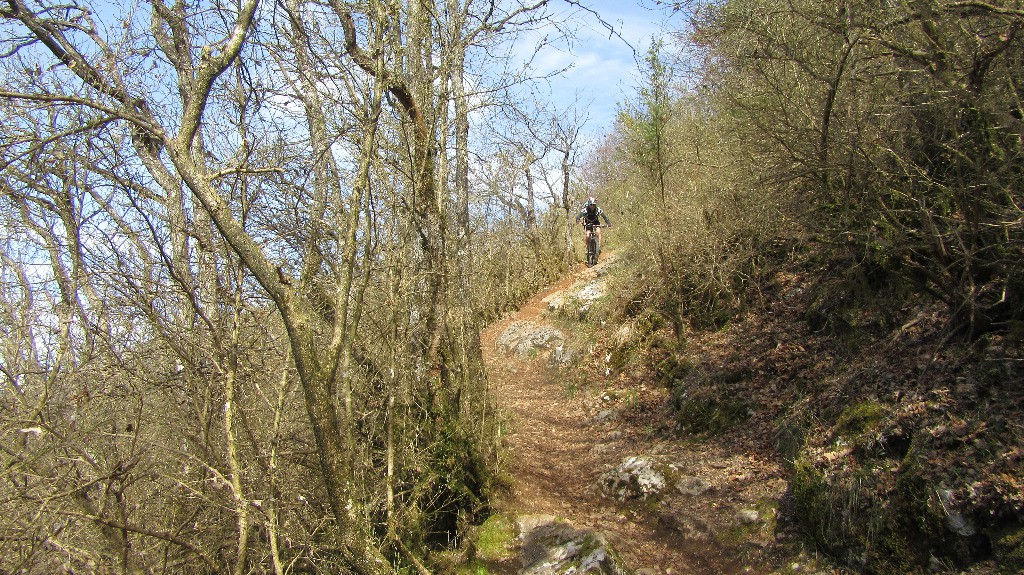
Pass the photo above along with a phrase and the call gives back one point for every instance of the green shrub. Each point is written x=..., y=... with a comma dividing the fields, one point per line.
x=672, y=370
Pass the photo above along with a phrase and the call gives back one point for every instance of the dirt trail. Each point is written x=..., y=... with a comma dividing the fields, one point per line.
x=558, y=448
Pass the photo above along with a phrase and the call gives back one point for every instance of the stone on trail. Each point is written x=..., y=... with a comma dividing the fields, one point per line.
x=748, y=516
x=564, y=355
x=688, y=526
x=552, y=547
x=526, y=337
x=580, y=294
x=555, y=301
x=592, y=291
x=689, y=485
x=634, y=478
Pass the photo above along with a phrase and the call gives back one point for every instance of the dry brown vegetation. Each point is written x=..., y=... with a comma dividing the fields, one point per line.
x=828, y=252
x=244, y=265
x=247, y=253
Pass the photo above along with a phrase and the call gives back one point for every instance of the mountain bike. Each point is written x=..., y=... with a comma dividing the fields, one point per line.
x=593, y=245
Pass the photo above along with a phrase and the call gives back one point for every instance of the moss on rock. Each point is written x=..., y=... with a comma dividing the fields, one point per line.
x=1008, y=548
x=702, y=410
x=882, y=518
x=859, y=419
x=496, y=538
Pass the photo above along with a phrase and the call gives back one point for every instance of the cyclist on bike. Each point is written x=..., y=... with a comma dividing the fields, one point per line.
x=589, y=214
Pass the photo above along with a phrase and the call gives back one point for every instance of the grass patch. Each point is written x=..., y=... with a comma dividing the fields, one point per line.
x=472, y=568
x=496, y=538
x=859, y=419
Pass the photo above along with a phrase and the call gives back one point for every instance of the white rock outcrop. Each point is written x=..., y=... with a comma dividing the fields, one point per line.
x=552, y=547
x=525, y=338
x=634, y=478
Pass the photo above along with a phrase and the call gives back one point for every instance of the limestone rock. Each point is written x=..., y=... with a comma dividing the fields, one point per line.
x=551, y=547
x=578, y=297
x=590, y=292
x=694, y=486
x=555, y=301
x=748, y=516
x=624, y=334
x=526, y=337
x=634, y=478
x=565, y=355
x=605, y=416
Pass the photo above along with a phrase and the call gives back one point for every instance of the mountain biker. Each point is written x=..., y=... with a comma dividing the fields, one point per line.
x=589, y=214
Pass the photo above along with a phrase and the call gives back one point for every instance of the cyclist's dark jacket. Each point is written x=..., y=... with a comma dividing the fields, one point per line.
x=591, y=219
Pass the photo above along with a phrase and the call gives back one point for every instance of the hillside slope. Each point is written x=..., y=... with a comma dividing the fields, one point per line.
x=587, y=443
x=900, y=445
x=767, y=445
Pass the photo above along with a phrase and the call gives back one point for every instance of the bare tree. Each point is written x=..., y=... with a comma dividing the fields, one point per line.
x=212, y=214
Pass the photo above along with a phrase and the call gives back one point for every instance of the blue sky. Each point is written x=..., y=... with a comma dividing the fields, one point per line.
x=604, y=68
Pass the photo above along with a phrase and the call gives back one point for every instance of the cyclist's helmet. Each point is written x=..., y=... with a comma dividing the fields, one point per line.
x=591, y=204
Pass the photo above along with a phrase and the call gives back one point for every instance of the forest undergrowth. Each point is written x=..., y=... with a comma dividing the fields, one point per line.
x=824, y=205
x=224, y=349
x=901, y=446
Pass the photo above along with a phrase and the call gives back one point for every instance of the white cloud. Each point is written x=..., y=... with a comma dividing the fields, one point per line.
x=600, y=65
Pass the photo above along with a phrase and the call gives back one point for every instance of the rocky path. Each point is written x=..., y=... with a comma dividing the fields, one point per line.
x=583, y=448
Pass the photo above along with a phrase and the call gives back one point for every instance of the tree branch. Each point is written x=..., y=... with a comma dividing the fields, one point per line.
x=164, y=536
